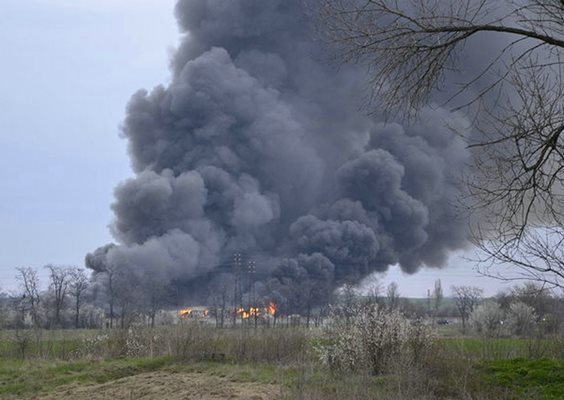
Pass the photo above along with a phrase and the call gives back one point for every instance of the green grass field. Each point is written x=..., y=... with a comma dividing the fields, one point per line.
x=542, y=378
x=505, y=348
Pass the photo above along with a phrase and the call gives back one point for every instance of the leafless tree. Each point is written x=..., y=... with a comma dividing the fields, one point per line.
x=128, y=295
x=155, y=293
x=467, y=298
x=349, y=297
x=78, y=285
x=415, y=52
x=392, y=296
x=111, y=273
x=539, y=297
x=312, y=289
x=29, y=282
x=220, y=299
x=374, y=292
x=59, y=283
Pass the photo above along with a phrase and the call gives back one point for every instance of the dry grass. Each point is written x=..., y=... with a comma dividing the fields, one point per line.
x=187, y=342
x=172, y=386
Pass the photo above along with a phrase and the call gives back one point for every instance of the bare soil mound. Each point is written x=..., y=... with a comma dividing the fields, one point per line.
x=168, y=386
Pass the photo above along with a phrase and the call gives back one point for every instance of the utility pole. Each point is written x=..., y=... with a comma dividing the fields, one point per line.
x=252, y=270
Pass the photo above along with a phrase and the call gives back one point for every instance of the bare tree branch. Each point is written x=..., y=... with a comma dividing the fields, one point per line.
x=29, y=282
x=413, y=49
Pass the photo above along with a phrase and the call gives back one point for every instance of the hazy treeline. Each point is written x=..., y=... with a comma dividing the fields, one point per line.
x=72, y=299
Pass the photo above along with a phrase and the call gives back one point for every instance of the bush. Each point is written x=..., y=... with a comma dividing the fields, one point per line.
x=366, y=337
x=487, y=319
x=521, y=319
x=192, y=342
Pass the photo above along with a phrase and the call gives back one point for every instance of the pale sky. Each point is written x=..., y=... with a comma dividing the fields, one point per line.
x=68, y=69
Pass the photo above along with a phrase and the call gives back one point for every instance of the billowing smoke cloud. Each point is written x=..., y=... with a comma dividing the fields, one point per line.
x=257, y=147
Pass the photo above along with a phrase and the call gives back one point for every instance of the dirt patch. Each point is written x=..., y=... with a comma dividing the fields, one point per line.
x=168, y=386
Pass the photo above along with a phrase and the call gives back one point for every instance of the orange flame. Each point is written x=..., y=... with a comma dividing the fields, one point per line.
x=193, y=312
x=242, y=312
x=255, y=312
x=186, y=312
x=272, y=308
x=246, y=314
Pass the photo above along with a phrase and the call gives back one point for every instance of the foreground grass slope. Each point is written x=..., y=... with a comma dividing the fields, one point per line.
x=277, y=362
x=19, y=378
x=32, y=378
x=499, y=379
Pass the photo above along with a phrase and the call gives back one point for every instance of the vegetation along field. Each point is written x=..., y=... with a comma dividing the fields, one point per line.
x=364, y=350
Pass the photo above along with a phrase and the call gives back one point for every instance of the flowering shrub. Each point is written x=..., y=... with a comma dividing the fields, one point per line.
x=369, y=337
x=92, y=347
x=134, y=345
x=488, y=319
x=522, y=319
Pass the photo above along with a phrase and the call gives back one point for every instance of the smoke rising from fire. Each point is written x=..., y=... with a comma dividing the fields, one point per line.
x=257, y=146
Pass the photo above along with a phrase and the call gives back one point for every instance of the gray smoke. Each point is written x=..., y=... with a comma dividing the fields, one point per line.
x=257, y=147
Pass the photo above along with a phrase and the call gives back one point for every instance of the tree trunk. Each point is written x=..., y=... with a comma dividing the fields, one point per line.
x=77, y=313
x=111, y=312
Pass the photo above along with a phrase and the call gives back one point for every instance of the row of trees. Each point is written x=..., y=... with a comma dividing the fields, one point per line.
x=73, y=298
x=527, y=310
x=524, y=310
x=67, y=291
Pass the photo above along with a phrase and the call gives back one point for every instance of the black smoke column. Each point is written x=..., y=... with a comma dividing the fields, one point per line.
x=257, y=146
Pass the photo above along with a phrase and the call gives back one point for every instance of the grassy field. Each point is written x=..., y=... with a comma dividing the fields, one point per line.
x=542, y=378
x=505, y=348
x=280, y=362
x=507, y=379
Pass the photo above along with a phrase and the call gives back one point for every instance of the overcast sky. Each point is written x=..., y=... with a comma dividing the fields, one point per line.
x=68, y=68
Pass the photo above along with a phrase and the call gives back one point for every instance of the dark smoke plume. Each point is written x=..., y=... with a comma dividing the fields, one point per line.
x=257, y=147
